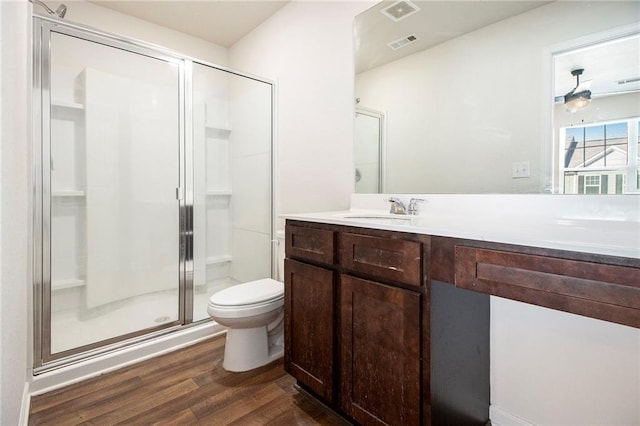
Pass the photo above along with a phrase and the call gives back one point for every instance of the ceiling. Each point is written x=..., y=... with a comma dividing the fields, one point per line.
x=435, y=23
x=438, y=21
x=222, y=22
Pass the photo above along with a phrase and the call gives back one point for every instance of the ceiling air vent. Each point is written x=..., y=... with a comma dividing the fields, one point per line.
x=402, y=42
x=400, y=10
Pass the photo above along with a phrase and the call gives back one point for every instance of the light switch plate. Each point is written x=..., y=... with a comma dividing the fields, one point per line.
x=520, y=169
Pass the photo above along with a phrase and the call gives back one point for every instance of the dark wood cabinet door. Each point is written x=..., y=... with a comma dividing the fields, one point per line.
x=380, y=352
x=309, y=326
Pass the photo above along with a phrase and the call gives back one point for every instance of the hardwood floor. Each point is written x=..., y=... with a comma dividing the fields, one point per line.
x=187, y=387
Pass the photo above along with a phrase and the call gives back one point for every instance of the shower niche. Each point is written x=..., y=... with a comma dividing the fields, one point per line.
x=67, y=193
x=67, y=199
x=213, y=199
x=153, y=189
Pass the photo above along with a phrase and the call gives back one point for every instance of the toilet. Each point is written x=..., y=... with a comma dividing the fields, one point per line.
x=254, y=315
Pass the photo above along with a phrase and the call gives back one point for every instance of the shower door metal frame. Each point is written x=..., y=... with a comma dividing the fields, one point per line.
x=42, y=28
x=44, y=360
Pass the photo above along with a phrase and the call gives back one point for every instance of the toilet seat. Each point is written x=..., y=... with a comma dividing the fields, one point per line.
x=248, y=299
x=250, y=293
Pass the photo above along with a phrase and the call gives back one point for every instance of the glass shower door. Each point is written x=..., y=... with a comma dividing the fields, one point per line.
x=232, y=119
x=111, y=192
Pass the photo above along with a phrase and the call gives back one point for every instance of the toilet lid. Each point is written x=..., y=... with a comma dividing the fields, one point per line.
x=250, y=293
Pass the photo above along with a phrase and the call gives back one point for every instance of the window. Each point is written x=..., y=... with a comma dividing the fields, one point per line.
x=601, y=158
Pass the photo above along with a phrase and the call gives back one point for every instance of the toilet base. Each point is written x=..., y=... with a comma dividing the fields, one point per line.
x=248, y=348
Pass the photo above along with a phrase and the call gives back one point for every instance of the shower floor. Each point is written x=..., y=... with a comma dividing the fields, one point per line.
x=73, y=328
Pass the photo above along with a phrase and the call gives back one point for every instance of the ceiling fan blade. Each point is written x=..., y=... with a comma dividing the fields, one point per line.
x=558, y=99
x=584, y=85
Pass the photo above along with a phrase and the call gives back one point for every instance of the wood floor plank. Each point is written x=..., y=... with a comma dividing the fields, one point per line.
x=279, y=408
x=184, y=417
x=232, y=387
x=130, y=408
x=143, y=369
x=186, y=387
x=242, y=407
x=75, y=404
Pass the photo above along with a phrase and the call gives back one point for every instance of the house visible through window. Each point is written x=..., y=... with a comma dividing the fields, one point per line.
x=601, y=158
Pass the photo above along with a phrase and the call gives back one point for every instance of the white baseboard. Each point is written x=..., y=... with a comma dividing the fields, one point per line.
x=499, y=417
x=25, y=406
x=74, y=373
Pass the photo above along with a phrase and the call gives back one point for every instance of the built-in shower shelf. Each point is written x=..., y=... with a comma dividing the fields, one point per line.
x=221, y=193
x=219, y=132
x=70, y=193
x=67, y=105
x=215, y=260
x=63, y=284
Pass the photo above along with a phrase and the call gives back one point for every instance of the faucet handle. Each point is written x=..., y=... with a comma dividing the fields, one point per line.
x=413, y=205
x=397, y=206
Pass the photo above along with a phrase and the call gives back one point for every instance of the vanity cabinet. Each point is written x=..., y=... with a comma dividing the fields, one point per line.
x=359, y=327
x=393, y=327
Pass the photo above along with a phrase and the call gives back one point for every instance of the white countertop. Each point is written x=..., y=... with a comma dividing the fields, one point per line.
x=612, y=237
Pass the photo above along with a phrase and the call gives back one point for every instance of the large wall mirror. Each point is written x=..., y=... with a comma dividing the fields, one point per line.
x=472, y=95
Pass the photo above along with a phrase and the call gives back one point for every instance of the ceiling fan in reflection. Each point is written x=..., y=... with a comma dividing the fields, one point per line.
x=580, y=96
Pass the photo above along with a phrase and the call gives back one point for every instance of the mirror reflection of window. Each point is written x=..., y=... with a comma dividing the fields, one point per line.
x=597, y=158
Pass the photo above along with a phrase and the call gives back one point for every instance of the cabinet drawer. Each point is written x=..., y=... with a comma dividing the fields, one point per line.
x=603, y=291
x=396, y=260
x=312, y=244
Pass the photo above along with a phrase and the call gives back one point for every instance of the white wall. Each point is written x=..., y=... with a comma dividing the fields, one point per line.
x=454, y=122
x=15, y=87
x=554, y=368
x=307, y=48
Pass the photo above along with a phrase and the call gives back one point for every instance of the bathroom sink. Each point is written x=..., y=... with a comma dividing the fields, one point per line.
x=377, y=218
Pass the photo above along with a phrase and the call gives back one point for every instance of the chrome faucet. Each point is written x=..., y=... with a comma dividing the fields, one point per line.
x=413, y=205
x=397, y=207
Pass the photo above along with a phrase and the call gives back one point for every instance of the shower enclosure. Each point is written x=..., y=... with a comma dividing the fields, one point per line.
x=153, y=189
